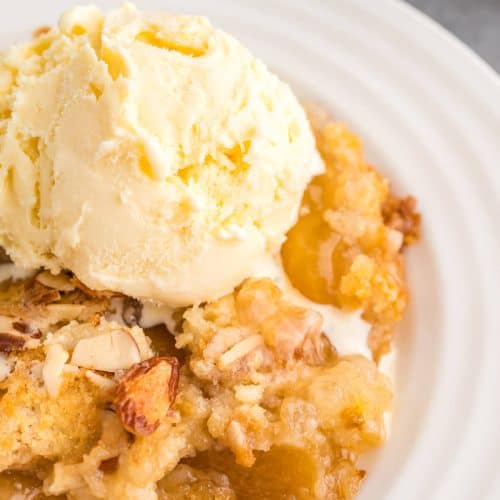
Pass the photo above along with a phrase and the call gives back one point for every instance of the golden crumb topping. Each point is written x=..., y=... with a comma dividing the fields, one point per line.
x=346, y=247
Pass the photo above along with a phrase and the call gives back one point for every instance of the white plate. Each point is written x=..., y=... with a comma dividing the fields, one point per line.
x=429, y=113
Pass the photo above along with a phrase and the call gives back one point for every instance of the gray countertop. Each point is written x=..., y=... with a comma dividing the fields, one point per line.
x=475, y=22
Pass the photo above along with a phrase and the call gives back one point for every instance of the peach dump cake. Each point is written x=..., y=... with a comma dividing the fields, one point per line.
x=198, y=280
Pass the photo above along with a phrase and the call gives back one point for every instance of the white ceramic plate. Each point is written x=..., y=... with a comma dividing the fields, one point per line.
x=429, y=113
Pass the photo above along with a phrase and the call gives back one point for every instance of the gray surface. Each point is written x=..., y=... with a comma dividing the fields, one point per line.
x=476, y=22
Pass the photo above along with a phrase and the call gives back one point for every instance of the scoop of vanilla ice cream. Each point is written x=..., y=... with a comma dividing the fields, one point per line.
x=148, y=154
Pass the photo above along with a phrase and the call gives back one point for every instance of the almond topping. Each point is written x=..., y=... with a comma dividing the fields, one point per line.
x=38, y=294
x=23, y=327
x=109, y=352
x=10, y=342
x=14, y=327
x=53, y=368
x=146, y=393
x=64, y=312
x=239, y=350
x=61, y=282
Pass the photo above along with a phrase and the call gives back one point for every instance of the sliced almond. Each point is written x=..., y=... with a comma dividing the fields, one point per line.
x=27, y=328
x=109, y=352
x=15, y=327
x=61, y=281
x=38, y=294
x=10, y=342
x=146, y=393
x=53, y=369
x=64, y=312
x=239, y=350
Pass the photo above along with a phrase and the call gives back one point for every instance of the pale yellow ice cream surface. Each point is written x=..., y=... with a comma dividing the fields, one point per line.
x=149, y=154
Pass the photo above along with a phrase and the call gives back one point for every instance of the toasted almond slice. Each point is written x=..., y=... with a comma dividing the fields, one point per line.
x=64, y=312
x=61, y=281
x=109, y=352
x=53, y=369
x=26, y=327
x=15, y=327
x=11, y=342
x=146, y=393
x=239, y=350
x=37, y=294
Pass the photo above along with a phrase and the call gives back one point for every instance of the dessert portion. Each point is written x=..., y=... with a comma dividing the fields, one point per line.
x=157, y=338
x=93, y=408
x=345, y=248
x=150, y=154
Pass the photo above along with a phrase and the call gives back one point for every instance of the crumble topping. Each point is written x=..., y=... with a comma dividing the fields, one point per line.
x=345, y=249
x=258, y=376
x=401, y=215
